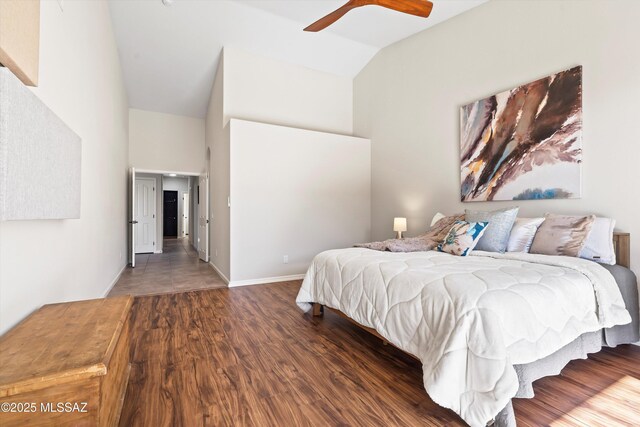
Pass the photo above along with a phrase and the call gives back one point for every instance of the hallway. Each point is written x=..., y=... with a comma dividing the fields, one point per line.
x=177, y=269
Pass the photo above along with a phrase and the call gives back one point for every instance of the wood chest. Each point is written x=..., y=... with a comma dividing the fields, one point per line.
x=66, y=364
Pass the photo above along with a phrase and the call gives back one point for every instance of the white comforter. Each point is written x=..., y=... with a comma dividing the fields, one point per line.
x=468, y=319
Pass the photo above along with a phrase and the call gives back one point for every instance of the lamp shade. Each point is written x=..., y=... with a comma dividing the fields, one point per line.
x=399, y=224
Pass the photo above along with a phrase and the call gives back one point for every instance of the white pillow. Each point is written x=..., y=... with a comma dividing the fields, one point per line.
x=437, y=217
x=522, y=234
x=599, y=245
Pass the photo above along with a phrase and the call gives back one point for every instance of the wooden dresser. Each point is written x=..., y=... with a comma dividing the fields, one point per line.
x=66, y=364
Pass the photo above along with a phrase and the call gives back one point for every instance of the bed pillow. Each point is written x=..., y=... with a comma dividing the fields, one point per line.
x=599, y=244
x=496, y=236
x=462, y=237
x=562, y=235
x=522, y=234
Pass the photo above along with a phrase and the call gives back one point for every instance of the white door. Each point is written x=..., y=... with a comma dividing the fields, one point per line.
x=185, y=214
x=145, y=215
x=203, y=218
x=132, y=217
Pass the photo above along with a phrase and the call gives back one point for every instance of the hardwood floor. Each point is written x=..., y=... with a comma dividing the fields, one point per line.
x=249, y=356
x=177, y=269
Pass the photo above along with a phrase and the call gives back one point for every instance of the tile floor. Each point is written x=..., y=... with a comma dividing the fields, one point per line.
x=177, y=269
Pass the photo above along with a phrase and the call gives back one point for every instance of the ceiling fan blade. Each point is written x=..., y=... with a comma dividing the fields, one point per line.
x=325, y=21
x=413, y=7
x=420, y=8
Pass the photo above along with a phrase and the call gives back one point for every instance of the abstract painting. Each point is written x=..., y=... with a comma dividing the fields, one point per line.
x=524, y=143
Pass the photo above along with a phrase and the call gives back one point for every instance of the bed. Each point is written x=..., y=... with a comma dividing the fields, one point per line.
x=484, y=326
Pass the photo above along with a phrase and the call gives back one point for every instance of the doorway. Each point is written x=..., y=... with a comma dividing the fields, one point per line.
x=181, y=210
x=170, y=213
x=187, y=213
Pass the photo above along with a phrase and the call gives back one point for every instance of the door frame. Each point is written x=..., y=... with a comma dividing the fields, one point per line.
x=131, y=223
x=186, y=219
x=133, y=171
x=155, y=208
x=204, y=222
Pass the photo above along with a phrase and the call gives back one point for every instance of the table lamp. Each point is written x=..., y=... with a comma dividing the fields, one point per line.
x=399, y=225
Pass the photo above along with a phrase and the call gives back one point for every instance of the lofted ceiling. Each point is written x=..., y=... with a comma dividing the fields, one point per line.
x=169, y=54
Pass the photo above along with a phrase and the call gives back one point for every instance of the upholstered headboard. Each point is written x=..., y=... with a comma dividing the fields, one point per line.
x=622, y=246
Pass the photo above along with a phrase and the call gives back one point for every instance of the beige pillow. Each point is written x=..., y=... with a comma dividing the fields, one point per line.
x=562, y=235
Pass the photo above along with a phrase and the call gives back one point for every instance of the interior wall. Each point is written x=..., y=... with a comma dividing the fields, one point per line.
x=407, y=101
x=255, y=88
x=181, y=185
x=80, y=80
x=265, y=90
x=294, y=193
x=217, y=142
x=165, y=142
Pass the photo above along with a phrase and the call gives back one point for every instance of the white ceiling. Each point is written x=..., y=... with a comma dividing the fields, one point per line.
x=169, y=55
x=371, y=25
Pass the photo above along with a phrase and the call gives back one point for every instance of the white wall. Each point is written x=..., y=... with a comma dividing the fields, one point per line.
x=265, y=90
x=260, y=89
x=181, y=185
x=407, y=101
x=294, y=192
x=60, y=260
x=165, y=142
x=217, y=141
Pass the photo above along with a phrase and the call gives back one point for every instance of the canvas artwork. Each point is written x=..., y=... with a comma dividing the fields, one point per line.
x=524, y=143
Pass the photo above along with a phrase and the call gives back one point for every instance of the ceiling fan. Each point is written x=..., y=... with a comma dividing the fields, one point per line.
x=413, y=7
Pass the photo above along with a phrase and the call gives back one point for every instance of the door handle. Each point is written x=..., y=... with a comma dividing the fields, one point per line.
x=133, y=222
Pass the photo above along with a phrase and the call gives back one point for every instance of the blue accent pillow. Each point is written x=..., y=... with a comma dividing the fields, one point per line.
x=462, y=237
x=496, y=236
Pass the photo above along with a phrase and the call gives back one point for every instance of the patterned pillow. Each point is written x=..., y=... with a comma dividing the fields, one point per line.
x=462, y=237
x=562, y=235
x=496, y=236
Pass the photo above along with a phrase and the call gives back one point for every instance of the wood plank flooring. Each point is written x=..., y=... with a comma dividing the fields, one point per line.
x=177, y=269
x=249, y=356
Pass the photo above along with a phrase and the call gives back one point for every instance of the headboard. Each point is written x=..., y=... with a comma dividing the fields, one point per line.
x=622, y=247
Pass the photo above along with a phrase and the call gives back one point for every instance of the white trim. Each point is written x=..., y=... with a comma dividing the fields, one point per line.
x=158, y=251
x=114, y=281
x=265, y=280
x=226, y=280
x=159, y=172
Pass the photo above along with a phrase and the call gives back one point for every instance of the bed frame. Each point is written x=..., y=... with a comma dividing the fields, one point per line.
x=622, y=248
x=621, y=244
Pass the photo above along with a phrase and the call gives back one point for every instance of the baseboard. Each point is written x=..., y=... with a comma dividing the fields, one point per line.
x=158, y=252
x=114, y=281
x=226, y=280
x=265, y=280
